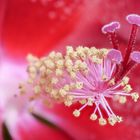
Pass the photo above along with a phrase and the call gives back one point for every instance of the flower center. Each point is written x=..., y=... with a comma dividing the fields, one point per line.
x=88, y=76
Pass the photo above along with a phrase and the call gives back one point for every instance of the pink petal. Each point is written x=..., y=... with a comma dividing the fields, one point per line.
x=135, y=56
x=133, y=19
x=111, y=27
x=39, y=130
x=115, y=55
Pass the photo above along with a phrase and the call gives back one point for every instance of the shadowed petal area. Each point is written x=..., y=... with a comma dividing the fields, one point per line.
x=37, y=130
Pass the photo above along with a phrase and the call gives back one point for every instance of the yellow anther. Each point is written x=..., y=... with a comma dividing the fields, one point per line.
x=68, y=103
x=48, y=89
x=38, y=64
x=49, y=64
x=62, y=92
x=86, y=50
x=31, y=58
x=127, y=88
x=59, y=55
x=102, y=121
x=37, y=89
x=42, y=68
x=119, y=119
x=93, y=117
x=66, y=87
x=90, y=101
x=125, y=81
x=52, y=55
x=83, y=101
x=74, y=55
x=60, y=63
x=135, y=96
x=68, y=62
x=79, y=85
x=112, y=120
x=73, y=75
x=76, y=113
x=93, y=51
x=69, y=50
x=30, y=81
x=79, y=49
x=48, y=71
x=96, y=60
x=54, y=93
x=58, y=72
x=82, y=55
x=78, y=62
x=103, y=52
x=54, y=80
x=42, y=81
x=31, y=69
x=70, y=97
x=83, y=66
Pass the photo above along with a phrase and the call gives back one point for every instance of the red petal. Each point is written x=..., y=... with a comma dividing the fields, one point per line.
x=35, y=27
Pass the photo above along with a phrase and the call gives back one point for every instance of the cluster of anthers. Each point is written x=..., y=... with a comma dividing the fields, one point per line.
x=88, y=76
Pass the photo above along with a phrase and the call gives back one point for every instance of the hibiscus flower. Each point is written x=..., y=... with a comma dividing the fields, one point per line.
x=87, y=33
x=14, y=109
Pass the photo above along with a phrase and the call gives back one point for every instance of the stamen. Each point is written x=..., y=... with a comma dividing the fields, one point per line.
x=125, y=81
x=112, y=120
x=119, y=119
x=135, y=96
x=93, y=117
x=102, y=121
x=110, y=30
x=88, y=76
x=76, y=113
x=127, y=88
